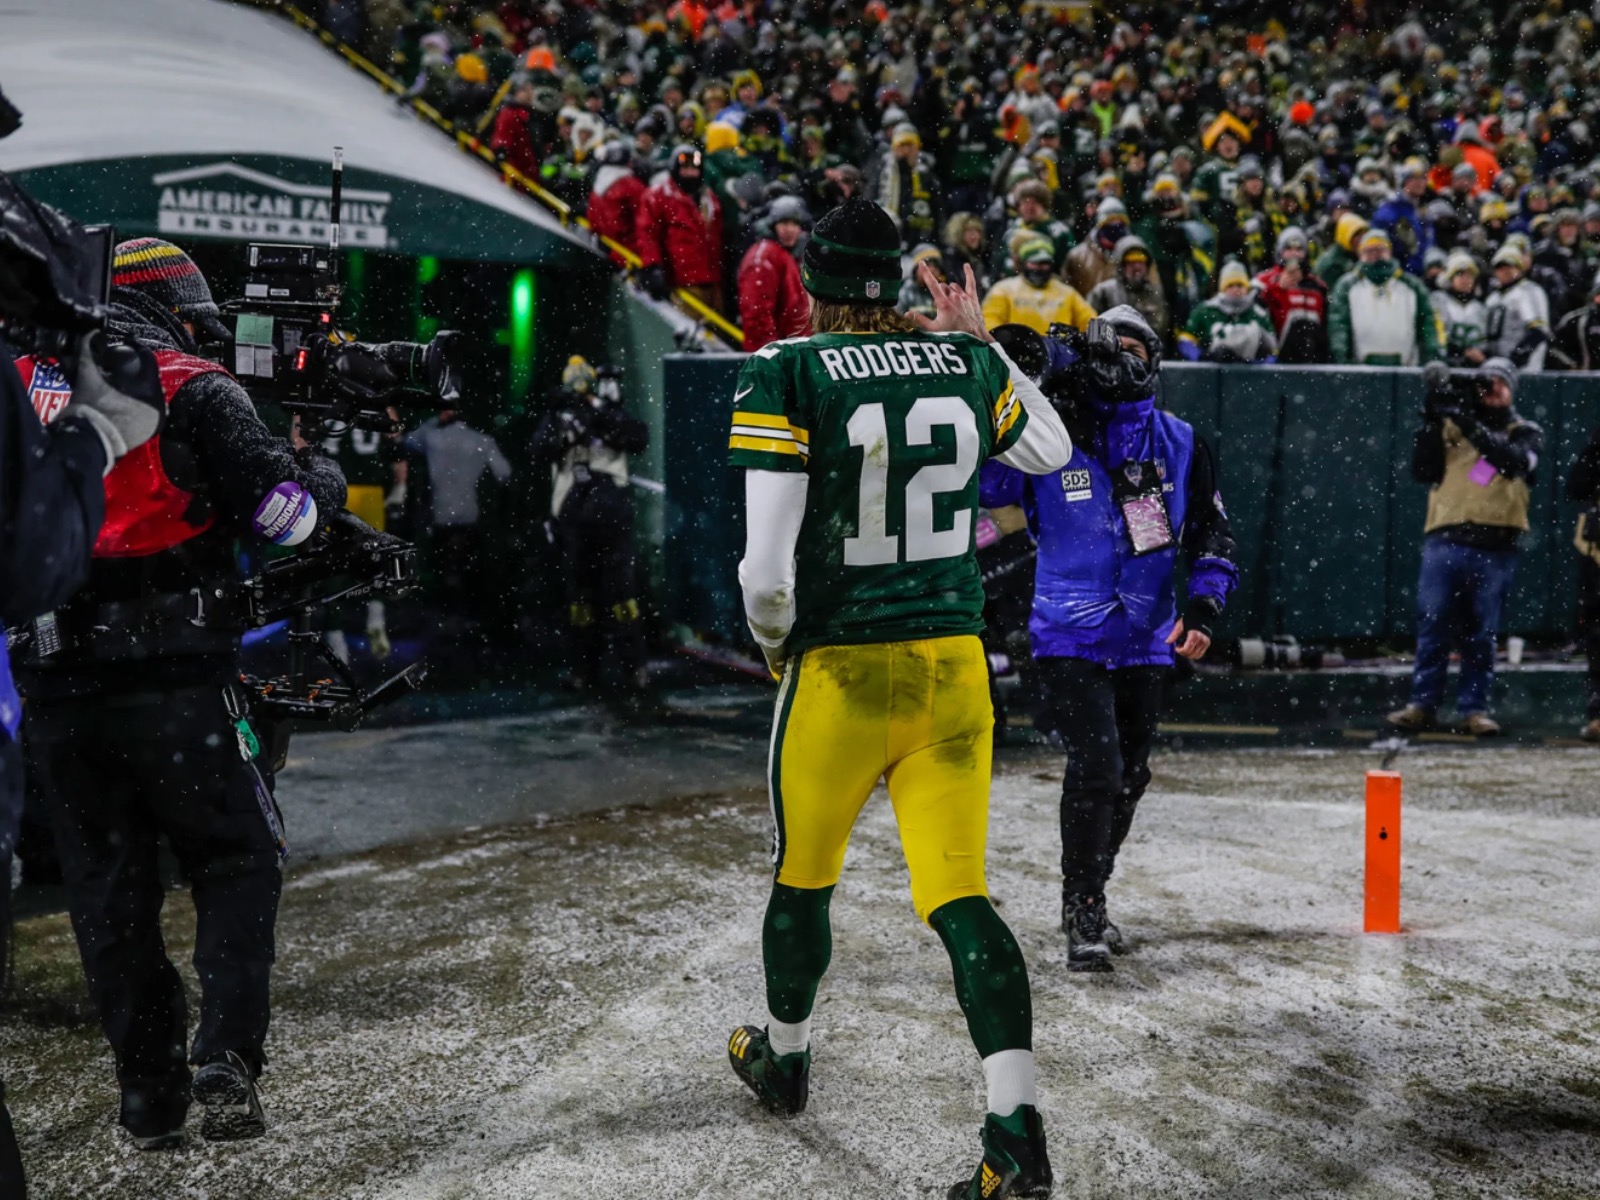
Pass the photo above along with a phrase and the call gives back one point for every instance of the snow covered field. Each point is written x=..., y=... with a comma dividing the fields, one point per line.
x=541, y=1010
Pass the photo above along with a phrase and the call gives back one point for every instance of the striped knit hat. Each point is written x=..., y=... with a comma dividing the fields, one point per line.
x=166, y=274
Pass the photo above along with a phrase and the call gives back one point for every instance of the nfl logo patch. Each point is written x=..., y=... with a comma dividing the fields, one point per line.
x=49, y=391
x=873, y=288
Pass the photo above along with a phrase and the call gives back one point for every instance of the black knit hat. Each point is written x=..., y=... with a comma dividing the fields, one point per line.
x=853, y=256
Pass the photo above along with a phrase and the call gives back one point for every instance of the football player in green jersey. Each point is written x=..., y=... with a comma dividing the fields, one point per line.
x=861, y=446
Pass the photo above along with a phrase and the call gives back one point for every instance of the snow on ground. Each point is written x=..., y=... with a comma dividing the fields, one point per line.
x=541, y=1011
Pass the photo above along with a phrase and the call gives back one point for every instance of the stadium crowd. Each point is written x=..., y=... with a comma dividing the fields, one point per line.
x=1303, y=183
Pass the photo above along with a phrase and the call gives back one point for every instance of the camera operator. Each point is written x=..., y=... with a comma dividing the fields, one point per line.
x=1583, y=485
x=1139, y=492
x=52, y=503
x=138, y=727
x=1478, y=454
x=586, y=439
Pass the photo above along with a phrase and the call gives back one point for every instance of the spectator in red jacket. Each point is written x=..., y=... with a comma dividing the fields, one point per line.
x=614, y=202
x=679, y=238
x=512, y=137
x=1296, y=300
x=772, y=302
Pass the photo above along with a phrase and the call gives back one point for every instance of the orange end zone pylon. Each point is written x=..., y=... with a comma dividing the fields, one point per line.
x=1383, y=852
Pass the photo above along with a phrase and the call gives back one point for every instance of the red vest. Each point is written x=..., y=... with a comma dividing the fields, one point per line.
x=146, y=512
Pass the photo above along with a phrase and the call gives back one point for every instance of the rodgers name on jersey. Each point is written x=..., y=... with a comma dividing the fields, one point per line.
x=891, y=430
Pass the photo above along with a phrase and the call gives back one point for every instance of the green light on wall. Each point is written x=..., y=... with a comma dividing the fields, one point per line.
x=523, y=294
x=427, y=272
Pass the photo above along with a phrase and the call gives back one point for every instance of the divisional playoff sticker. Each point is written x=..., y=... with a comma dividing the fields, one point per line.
x=286, y=515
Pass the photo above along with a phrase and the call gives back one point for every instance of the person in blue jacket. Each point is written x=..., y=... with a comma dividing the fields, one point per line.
x=1403, y=218
x=1139, y=493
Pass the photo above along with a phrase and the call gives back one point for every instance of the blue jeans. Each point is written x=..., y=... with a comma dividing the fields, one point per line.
x=1459, y=595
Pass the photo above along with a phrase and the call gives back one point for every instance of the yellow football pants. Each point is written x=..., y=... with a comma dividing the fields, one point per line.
x=916, y=714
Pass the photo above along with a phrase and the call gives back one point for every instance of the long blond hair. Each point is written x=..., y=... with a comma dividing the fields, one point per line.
x=828, y=317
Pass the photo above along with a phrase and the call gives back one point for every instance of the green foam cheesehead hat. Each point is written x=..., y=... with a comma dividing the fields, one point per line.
x=853, y=256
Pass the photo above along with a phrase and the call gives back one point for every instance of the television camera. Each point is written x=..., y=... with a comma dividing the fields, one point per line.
x=55, y=275
x=1450, y=393
x=284, y=346
x=281, y=341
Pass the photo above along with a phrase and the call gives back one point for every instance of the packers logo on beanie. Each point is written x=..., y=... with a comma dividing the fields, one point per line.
x=853, y=256
x=166, y=274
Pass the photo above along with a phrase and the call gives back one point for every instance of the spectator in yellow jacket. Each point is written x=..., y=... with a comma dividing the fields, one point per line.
x=1035, y=297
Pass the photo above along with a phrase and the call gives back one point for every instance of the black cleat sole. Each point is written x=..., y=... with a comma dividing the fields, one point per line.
x=232, y=1109
x=161, y=1141
x=1090, y=966
x=771, y=1106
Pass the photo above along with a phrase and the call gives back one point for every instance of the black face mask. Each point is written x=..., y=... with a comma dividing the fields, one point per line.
x=1127, y=379
x=692, y=186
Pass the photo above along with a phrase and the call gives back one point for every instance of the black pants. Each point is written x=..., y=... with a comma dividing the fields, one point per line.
x=1589, y=589
x=595, y=532
x=458, y=568
x=1108, y=721
x=117, y=771
x=36, y=844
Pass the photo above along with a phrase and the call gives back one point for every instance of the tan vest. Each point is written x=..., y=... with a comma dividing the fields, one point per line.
x=1458, y=500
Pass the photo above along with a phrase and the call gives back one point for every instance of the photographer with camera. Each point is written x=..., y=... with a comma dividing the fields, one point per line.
x=138, y=725
x=586, y=439
x=1138, y=494
x=105, y=400
x=1478, y=454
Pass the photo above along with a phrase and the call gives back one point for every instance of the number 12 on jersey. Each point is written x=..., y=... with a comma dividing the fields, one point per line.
x=874, y=545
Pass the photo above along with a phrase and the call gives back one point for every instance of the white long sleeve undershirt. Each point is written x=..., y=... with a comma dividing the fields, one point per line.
x=775, y=506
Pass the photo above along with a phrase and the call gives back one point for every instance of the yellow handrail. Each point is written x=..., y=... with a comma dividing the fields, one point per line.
x=489, y=113
x=470, y=144
x=708, y=314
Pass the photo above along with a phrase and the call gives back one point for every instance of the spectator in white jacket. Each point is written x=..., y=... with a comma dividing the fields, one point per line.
x=1519, y=312
x=1378, y=314
x=1463, y=316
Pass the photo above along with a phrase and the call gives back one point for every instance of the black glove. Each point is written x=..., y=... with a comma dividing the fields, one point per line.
x=116, y=386
x=655, y=282
x=1200, y=614
x=1100, y=341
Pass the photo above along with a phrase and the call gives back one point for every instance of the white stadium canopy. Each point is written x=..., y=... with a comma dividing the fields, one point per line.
x=200, y=118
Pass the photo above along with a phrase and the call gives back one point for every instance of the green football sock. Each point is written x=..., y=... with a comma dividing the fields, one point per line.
x=796, y=946
x=991, y=978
